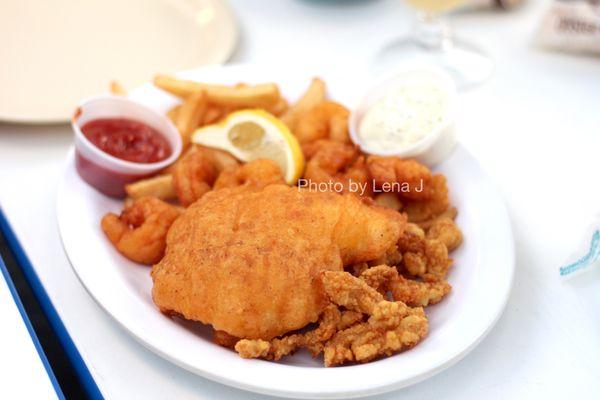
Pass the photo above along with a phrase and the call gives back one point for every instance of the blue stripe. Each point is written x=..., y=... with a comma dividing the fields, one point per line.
x=584, y=262
x=77, y=362
x=36, y=342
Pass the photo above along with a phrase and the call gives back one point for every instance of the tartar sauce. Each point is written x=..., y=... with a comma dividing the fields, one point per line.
x=404, y=116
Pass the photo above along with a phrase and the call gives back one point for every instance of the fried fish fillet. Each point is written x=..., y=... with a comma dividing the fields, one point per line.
x=248, y=261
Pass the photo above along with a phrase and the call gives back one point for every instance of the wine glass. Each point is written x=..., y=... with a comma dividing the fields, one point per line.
x=432, y=43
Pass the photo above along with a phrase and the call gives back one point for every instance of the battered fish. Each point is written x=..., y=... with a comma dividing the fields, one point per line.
x=248, y=261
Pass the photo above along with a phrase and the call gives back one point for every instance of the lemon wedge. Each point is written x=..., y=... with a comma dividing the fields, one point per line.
x=252, y=134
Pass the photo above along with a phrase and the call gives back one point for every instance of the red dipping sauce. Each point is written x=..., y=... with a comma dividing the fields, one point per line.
x=127, y=140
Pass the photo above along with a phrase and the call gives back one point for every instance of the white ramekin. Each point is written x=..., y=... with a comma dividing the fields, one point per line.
x=107, y=173
x=433, y=147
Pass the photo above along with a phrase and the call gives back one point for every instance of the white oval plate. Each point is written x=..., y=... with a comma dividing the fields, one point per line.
x=66, y=50
x=481, y=277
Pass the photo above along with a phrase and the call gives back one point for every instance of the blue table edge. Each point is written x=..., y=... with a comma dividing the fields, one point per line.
x=33, y=280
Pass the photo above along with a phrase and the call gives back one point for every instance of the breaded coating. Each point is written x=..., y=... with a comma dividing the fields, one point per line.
x=258, y=173
x=195, y=173
x=140, y=232
x=224, y=339
x=357, y=269
x=369, y=340
x=437, y=260
x=350, y=292
x=331, y=321
x=422, y=257
x=379, y=277
x=451, y=213
x=407, y=178
x=326, y=120
x=340, y=167
x=436, y=204
x=391, y=257
x=414, y=293
x=446, y=231
x=418, y=294
x=392, y=326
x=247, y=260
x=389, y=200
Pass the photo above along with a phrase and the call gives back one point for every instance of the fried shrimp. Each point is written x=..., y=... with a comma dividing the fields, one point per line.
x=326, y=120
x=139, y=233
x=436, y=204
x=257, y=173
x=339, y=164
x=197, y=171
x=407, y=178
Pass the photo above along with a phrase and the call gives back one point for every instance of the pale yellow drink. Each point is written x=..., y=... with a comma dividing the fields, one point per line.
x=435, y=6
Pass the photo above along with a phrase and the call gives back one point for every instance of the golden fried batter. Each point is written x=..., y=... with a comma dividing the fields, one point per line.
x=414, y=293
x=247, y=260
x=326, y=120
x=392, y=326
x=437, y=203
x=410, y=179
x=196, y=172
x=257, y=173
x=422, y=257
x=139, y=233
x=418, y=294
x=331, y=321
x=367, y=341
x=446, y=231
x=341, y=164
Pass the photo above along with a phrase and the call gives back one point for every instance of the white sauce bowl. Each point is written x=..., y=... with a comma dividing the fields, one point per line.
x=436, y=145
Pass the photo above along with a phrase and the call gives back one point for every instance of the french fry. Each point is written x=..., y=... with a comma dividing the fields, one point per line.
x=160, y=186
x=313, y=96
x=117, y=89
x=190, y=115
x=240, y=96
x=172, y=113
x=278, y=108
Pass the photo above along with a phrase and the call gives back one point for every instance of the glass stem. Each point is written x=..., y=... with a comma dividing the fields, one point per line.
x=431, y=31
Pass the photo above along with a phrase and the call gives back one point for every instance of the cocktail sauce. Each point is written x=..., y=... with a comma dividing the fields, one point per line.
x=127, y=140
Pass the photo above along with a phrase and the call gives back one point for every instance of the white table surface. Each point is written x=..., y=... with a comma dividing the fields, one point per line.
x=20, y=363
x=535, y=127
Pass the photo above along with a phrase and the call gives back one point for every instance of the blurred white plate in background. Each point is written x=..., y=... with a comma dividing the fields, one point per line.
x=55, y=52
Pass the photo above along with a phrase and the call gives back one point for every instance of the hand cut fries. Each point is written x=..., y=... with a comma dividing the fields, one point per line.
x=190, y=115
x=238, y=96
x=313, y=96
x=160, y=186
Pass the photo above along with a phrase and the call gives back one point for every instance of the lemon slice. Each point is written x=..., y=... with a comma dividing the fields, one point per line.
x=252, y=134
